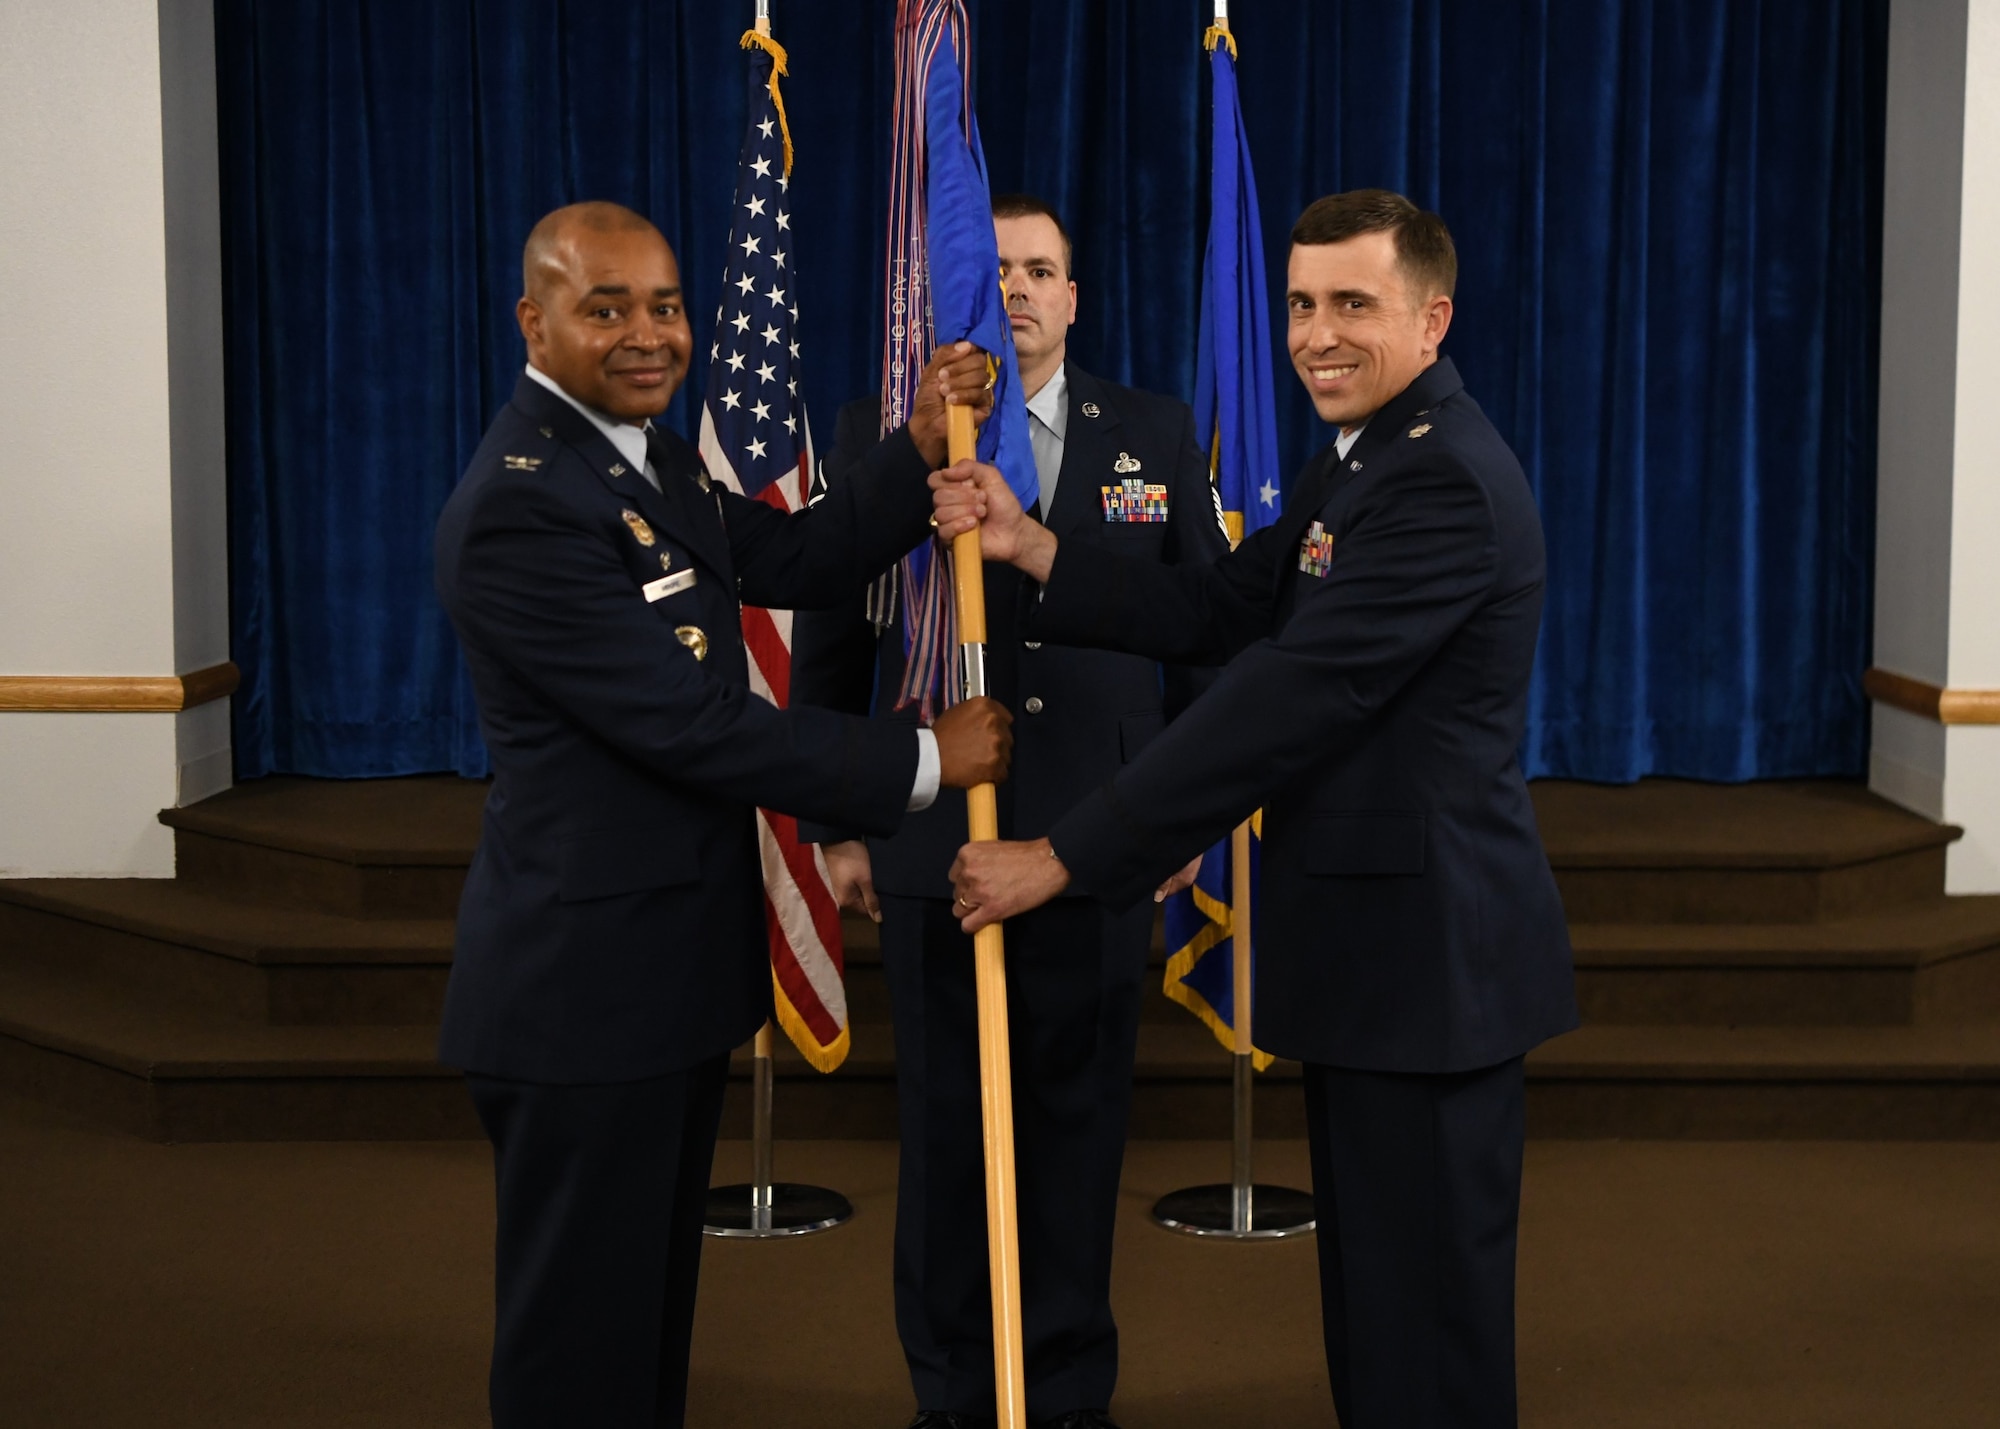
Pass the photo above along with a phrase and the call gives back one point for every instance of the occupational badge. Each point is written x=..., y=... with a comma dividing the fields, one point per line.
x=1135, y=499
x=522, y=463
x=692, y=637
x=640, y=530
x=1126, y=464
x=1419, y=430
x=1316, y=550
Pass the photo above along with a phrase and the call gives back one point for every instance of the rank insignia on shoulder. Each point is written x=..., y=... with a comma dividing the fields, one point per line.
x=1134, y=499
x=522, y=463
x=693, y=637
x=640, y=529
x=1420, y=429
x=1090, y=409
x=1316, y=550
x=1126, y=464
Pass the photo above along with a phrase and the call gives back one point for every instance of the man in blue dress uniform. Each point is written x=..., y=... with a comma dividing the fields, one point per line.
x=611, y=946
x=1411, y=945
x=1119, y=471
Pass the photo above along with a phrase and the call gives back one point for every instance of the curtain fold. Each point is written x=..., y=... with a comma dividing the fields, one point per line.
x=1668, y=214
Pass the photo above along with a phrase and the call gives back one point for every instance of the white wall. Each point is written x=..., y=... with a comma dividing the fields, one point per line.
x=113, y=555
x=1937, y=576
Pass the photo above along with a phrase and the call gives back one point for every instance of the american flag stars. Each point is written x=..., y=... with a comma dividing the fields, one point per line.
x=753, y=390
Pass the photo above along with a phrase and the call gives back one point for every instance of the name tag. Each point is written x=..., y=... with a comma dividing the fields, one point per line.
x=669, y=585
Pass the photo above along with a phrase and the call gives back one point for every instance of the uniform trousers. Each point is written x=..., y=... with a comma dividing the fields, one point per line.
x=1073, y=986
x=1417, y=1187
x=602, y=1191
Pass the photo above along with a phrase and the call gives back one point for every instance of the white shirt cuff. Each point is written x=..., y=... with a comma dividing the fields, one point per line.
x=930, y=770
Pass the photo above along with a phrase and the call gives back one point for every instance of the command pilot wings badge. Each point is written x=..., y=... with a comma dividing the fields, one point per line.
x=1316, y=550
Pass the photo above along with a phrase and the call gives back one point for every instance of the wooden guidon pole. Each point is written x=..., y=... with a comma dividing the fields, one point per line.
x=996, y=1084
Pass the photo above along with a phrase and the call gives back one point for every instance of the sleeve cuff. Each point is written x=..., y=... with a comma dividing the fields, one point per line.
x=930, y=771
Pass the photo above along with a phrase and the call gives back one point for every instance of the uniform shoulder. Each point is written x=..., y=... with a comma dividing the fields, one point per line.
x=1134, y=402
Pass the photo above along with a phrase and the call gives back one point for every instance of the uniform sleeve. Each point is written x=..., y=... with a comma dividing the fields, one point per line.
x=1178, y=614
x=833, y=648
x=1194, y=538
x=1412, y=566
x=831, y=549
x=533, y=586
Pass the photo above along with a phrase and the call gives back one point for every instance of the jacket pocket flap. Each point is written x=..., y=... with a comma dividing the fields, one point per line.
x=602, y=865
x=1365, y=845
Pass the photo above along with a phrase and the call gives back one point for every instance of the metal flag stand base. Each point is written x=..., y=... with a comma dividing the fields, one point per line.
x=762, y=1209
x=1240, y=1210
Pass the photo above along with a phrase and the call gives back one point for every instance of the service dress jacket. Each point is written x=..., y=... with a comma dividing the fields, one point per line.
x=612, y=925
x=1379, y=639
x=1079, y=715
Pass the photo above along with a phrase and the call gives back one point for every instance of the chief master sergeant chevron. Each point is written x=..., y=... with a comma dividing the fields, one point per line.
x=1411, y=943
x=611, y=945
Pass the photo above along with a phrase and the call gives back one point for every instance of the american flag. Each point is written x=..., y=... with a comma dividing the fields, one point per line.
x=754, y=437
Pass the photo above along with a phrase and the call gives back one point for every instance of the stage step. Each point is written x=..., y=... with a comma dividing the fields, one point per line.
x=1772, y=959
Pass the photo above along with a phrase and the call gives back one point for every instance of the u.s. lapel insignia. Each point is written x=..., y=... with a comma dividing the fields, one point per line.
x=522, y=463
x=1126, y=464
x=1135, y=499
x=1316, y=550
x=640, y=529
x=1354, y=466
x=618, y=468
x=1091, y=409
x=1419, y=430
x=695, y=640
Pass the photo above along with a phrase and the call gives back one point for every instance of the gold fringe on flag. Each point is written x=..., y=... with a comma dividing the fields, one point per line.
x=753, y=40
x=1218, y=35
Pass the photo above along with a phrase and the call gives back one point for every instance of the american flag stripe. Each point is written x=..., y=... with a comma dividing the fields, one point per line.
x=755, y=439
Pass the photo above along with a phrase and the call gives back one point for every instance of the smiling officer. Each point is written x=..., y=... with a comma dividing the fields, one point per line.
x=611, y=947
x=1411, y=943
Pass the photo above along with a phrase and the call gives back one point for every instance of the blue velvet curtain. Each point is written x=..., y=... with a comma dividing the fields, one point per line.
x=1667, y=211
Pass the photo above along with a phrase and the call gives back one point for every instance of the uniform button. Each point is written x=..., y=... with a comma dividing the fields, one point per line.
x=1034, y=704
x=1033, y=644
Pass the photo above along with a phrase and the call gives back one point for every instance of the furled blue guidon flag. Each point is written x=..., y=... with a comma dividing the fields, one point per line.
x=1236, y=417
x=942, y=285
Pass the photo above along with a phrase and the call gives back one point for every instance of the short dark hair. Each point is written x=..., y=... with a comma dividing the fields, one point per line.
x=1028, y=206
x=1424, y=249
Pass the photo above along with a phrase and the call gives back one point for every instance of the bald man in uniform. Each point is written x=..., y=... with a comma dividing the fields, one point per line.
x=611, y=947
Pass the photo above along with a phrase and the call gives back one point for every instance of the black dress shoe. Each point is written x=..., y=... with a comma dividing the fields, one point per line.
x=1079, y=1419
x=945, y=1419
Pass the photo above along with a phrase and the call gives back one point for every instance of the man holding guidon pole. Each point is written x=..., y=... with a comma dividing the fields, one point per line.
x=1377, y=642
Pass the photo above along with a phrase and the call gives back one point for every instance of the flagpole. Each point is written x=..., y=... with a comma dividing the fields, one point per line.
x=996, y=1082
x=765, y=1208
x=1241, y=1210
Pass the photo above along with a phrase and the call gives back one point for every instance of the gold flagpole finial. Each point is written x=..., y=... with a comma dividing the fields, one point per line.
x=760, y=39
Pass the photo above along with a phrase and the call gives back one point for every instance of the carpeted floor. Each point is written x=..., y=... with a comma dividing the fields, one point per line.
x=1692, y=1285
